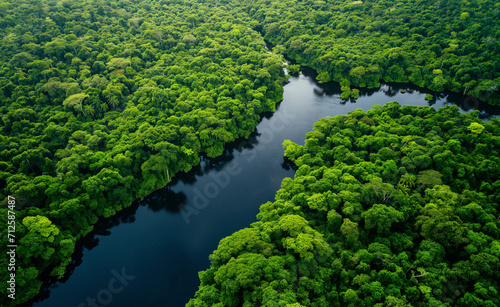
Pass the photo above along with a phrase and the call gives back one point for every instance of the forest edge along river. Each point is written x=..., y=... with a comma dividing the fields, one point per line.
x=150, y=253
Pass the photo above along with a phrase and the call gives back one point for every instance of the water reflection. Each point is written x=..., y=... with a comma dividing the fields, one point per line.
x=466, y=103
x=168, y=200
x=288, y=164
x=89, y=242
x=175, y=251
x=389, y=91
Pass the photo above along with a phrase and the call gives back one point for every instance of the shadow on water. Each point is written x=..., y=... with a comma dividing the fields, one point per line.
x=466, y=103
x=89, y=242
x=164, y=199
x=172, y=201
x=287, y=164
x=208, y=164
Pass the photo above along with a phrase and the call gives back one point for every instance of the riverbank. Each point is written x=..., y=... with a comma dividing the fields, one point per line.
x=157, y=228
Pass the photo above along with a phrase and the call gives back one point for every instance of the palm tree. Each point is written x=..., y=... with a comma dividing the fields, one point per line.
x=89, y=110
x=408, y=180
x=114, y=102
x=104, y=107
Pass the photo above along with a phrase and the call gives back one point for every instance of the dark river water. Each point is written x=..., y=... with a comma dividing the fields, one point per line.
x=150, y=254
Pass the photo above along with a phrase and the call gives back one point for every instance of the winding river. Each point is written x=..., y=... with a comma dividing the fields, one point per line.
x=150, y=254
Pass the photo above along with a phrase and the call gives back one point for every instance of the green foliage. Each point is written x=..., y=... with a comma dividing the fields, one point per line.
x=440, y=45
x=475, y=128
x=118, y=63
x=404, y=221
x=293, y=69
x=381, y=217
x=103, y=104
x=75, y=101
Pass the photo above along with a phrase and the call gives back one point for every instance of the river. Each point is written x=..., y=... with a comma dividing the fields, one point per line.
x=150, y=254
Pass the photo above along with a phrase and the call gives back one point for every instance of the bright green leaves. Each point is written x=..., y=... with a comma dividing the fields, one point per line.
x=75, y=101
x=430, y=252
x=357, y=74
x=475, y=128
x=40, y=232
x=242, y=275
x=209, y=73
x=117, y=63
x=115, y=94
x=408, y=180
x=292, y=150
x=155, y=172
x=317, y=202
x=65, y=252
x=94, y=121
x=350, y=231
x=381, y=218
x=370, y=45
x=323, y=77
x=273, y=211
x=301, y=245
x=243, y=241
x=376, y=215
x=334, y=220
x=42, y=226
x=293, y=224
x=245, y=263
x=390, y=171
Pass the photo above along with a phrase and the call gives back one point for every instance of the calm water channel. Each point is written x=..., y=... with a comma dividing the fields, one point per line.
x=150, y=254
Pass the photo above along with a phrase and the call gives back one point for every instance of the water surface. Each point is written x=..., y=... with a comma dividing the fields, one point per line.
x=150, y=254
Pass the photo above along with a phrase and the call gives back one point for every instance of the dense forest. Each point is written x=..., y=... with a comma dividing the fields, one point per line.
x=103, y=102
x=441, y=45
x=397, y=206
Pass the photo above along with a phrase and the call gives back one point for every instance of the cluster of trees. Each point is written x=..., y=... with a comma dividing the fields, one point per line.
x=102, y=102
x=441, y=45
x=397, y=206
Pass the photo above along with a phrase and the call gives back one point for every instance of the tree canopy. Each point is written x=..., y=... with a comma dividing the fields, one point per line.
x=440, y=45
x=103, y=102
x=397, y=206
